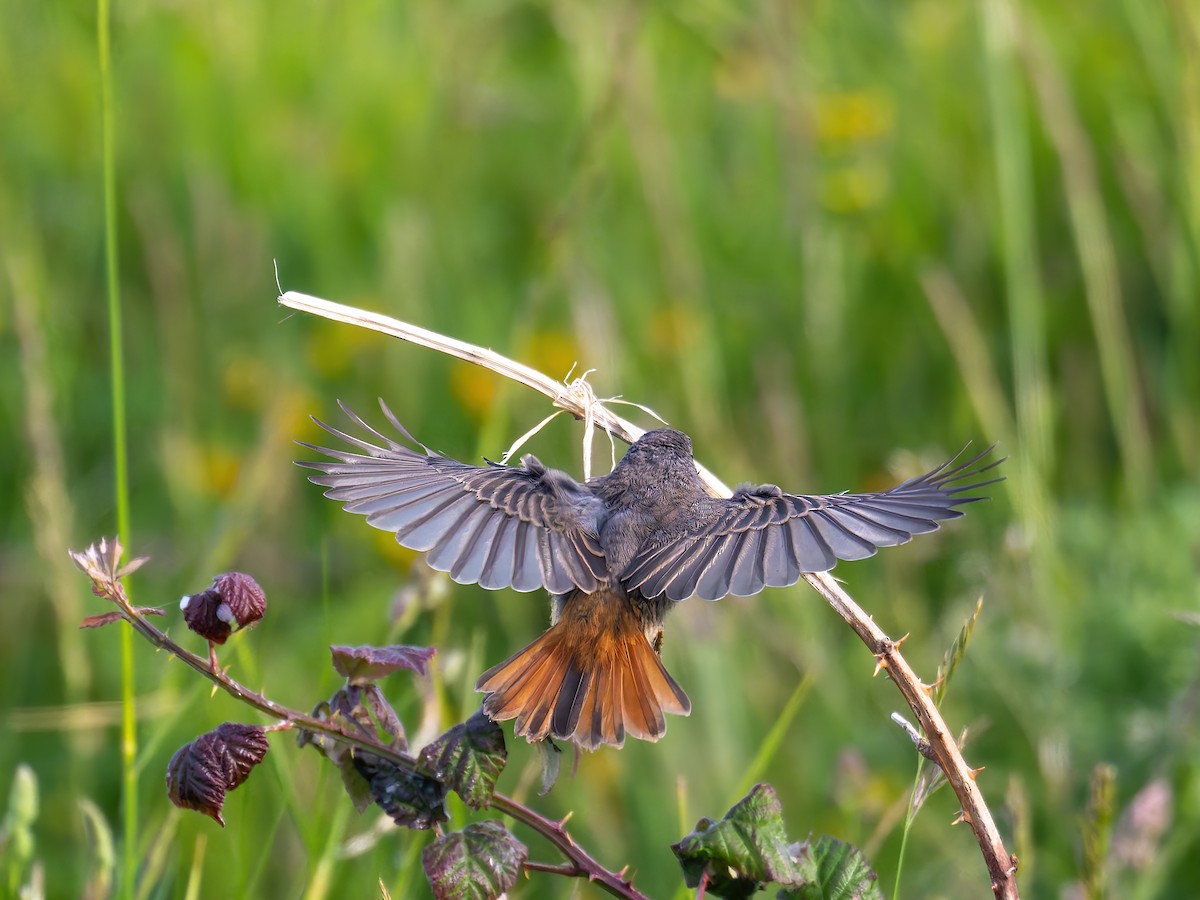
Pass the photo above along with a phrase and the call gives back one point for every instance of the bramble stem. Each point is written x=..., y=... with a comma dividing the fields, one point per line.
x=580, y=862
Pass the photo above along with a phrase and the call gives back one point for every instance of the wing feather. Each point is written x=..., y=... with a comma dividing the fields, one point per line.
x=498, y=567
x=746, y=572
x=763, y=537
x=525, y=527
x=457, y=531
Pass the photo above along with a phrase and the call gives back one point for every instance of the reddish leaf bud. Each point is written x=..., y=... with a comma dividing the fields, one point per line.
x=234, y=601
x=243, y=595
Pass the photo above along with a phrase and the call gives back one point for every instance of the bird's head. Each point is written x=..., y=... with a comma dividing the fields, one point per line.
x=661, y=445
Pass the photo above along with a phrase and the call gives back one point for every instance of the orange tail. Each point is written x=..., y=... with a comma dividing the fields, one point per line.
x=591, y=685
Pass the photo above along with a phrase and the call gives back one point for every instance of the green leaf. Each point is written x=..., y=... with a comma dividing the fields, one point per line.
x=551, y=757
x=469, y=758
x=481, y=862
x=99, y=879
x=18, y=842
x=832, y=870
x=955, y=654
x=1098, y=828
x=743, y=852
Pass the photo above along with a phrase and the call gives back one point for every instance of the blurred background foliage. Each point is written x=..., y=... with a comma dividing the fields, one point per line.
x=831, y=240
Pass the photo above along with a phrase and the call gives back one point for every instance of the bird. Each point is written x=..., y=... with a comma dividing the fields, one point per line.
x=616, y=554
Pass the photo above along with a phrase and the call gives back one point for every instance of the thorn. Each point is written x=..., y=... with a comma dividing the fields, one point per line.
x=972, y=773
x=880, y=664
x=927, y=689
x=938, y=682
x=960, y=818
x=565, y=819
x=899, y=642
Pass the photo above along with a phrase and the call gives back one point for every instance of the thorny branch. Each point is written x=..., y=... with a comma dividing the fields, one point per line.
x=100, y=564
x=578, y=399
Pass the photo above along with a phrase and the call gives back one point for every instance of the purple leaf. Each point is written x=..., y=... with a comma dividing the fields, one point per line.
x=469, y=758
x=412, y=800
x=200, y=773
x=481, y=862
x=368, y=663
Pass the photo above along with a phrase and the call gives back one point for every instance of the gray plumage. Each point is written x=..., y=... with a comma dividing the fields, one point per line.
x=648, y=526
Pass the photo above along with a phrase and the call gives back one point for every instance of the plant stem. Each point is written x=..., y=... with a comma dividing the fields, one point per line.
x=908, y=820
x=580, y=863
x=129, y=856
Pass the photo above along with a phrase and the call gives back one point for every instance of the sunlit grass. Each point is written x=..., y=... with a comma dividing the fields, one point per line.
x=812, y=237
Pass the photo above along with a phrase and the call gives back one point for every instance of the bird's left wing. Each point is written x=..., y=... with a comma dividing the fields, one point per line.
x=762, y=537
x=500, y=526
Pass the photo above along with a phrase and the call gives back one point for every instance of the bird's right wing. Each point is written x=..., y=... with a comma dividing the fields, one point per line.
x=525, y=527
x=762, y=537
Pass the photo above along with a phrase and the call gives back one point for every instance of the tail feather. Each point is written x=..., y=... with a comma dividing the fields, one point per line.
x=528, y=671
x=575, y=690
x=538, y=698
x=591, y=714
x=664, y=687
x=592, y=688
x=614, y=720
x=643, y=713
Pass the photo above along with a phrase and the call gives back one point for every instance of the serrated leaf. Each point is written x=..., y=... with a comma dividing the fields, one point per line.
x=741, y=853
x=200, y=772
x=481, y=862
x=242, y=747
x=411, y=800
x=386, y=722
x=195, y=780
x=955, y=654
x=346, y=711
x=469, y=758
x=832, y=870
x=365, y=663
x=355, y=708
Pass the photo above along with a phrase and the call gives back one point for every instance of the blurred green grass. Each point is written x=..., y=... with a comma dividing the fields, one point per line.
x=831, y=242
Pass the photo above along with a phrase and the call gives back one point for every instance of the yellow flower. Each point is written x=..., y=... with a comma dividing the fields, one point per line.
x=853, y=117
